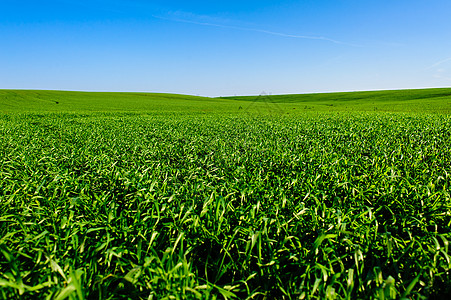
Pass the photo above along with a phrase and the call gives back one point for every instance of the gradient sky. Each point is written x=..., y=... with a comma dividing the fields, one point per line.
x=215, y=48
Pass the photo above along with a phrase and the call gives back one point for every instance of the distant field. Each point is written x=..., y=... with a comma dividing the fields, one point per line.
x=62, y=101
x=159, y=196
x=421, y=100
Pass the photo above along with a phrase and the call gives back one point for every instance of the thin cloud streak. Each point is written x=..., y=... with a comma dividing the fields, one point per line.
x=438, y=76
x=257, y=30
x=440, y=72
x=440, y=63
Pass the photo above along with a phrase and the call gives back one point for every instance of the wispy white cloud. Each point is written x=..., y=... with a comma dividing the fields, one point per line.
x=441, y=69
x=441, y=62
x=200, y=21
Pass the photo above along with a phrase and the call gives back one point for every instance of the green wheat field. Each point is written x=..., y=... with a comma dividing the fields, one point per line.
x=161, y=196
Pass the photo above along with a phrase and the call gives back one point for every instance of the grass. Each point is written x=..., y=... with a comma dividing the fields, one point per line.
x=62, y=101
x=421, y=100
x=113, y=196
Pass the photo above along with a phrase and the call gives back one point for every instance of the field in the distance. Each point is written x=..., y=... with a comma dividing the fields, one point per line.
x=157, y=196
x=421, y=100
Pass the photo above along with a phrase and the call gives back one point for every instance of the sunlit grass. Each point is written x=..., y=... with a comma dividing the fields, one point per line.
x=245, y=205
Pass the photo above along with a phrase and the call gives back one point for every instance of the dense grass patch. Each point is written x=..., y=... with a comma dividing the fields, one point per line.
x=231, y=205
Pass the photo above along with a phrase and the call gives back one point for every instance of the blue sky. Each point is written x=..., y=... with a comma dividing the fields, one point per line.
x=225, y=48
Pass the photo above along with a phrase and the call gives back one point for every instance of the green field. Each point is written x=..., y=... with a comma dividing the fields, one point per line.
x=425, y=100
x=421, y=101
x=158, y=196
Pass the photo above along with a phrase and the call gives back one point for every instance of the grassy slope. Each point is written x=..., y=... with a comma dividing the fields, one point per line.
x=153, y=203
x=421, y=100
x=54, y=101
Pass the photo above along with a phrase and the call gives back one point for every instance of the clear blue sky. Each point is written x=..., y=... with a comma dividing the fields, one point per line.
x=230, y=47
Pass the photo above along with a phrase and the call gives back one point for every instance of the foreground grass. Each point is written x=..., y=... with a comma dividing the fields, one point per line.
x=191, y=205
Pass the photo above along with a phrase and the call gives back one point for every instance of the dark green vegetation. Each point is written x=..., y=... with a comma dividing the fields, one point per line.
x=187, y=197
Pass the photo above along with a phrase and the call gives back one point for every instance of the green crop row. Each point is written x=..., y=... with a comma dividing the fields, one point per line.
x=205, y=206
